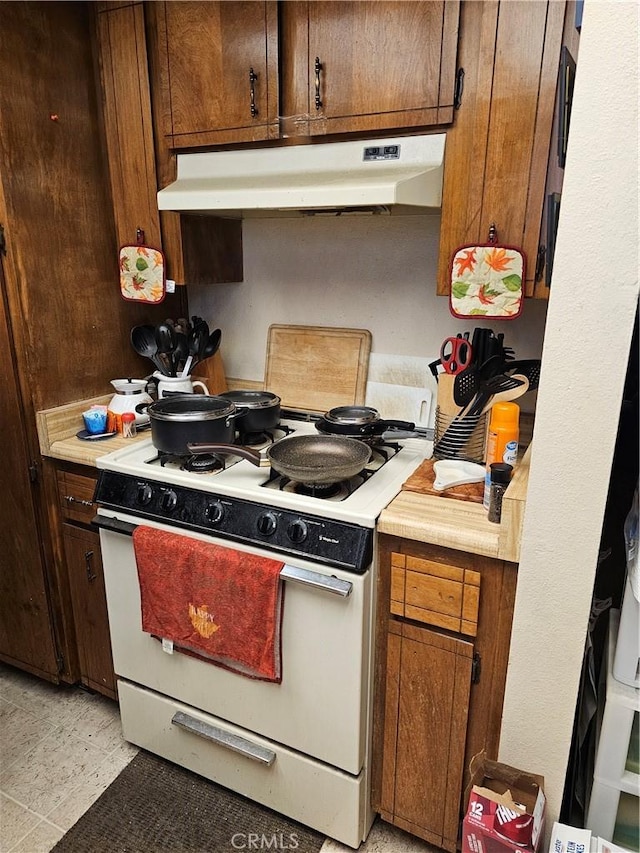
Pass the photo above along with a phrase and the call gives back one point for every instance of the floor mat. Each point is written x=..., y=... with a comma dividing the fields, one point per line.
x=155, y=806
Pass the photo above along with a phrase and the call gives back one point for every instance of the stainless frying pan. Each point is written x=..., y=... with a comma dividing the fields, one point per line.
x=304, y=458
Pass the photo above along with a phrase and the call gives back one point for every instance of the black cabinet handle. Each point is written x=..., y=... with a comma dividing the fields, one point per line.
x=88, y=558
x=252, y=92
x=318, y=68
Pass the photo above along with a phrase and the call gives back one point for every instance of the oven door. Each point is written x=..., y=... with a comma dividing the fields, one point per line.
x=320, y=708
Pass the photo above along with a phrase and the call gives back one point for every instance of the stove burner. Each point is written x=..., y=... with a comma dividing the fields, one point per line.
x=201, y=463
x=317, y=490
x=252, y=439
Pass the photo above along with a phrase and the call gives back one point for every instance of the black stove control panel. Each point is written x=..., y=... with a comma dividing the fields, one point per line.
x=335, y=543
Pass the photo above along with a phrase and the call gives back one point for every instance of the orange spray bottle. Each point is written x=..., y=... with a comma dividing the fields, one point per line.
x=502, y=440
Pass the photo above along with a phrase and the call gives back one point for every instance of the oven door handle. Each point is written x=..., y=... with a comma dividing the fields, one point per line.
x=223, y=738
x=327, y=583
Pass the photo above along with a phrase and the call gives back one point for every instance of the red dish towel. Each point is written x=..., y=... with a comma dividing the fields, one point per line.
x=221, y=604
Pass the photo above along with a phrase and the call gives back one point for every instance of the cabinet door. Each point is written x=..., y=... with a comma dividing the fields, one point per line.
x=498, y=149
x=26, y=637
x=428, y=680
x=378, y=65
x=128, y=126
x=86, y=581
x=220, y=73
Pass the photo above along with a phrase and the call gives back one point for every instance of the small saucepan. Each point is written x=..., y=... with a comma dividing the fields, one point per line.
x=262, y=409
x=360, y=422
x=311, y=459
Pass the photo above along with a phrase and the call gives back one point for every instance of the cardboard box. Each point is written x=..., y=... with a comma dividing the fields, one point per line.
x=505, y=809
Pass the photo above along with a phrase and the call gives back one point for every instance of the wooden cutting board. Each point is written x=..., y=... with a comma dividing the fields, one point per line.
x=317, y=368
x=421, y=481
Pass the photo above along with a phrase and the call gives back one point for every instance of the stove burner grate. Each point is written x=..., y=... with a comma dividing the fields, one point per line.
x=202, y=463
x=317, y=490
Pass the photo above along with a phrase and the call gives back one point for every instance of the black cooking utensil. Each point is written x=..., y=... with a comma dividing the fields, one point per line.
x=527, y=367
x=143, y=340
x=166, y=343
x=465, y=386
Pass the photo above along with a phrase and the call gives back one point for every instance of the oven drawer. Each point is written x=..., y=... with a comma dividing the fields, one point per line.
x=308, y=791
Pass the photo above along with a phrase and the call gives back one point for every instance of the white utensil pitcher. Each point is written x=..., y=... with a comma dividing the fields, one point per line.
x=178, y=385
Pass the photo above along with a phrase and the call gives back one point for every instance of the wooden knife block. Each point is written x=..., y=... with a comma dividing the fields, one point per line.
x=211, y=372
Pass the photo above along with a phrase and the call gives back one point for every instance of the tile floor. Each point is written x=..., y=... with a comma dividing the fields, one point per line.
x=61, y=747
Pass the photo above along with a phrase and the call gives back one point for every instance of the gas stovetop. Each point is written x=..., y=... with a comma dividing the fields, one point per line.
x=360, y=501
x=244, y=503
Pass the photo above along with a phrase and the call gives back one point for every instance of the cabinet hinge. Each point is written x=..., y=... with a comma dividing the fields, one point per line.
x=3, y=242
x=475, y=668
x=33, y=472
x=540, y=260
x=459, y=88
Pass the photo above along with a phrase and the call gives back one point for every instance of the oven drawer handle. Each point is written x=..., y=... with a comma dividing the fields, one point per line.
x=223, y=738
x=306, y=577
x=316, y=580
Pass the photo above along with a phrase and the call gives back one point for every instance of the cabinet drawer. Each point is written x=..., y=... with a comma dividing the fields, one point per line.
x=316, y=794
x=75, y=496
x=435, y=593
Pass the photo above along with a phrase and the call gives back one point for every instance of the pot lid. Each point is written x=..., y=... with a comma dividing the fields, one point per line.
x=356, y=415
x=129, y=386
x=191, y=407
x=252, y=399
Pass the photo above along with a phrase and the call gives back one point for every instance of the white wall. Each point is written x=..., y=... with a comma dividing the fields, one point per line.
x=594, y=295
x=371, y=272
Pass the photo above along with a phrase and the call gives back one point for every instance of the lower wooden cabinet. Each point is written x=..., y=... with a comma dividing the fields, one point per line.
x=427, y=686
x=83, y=562
x=439, y=689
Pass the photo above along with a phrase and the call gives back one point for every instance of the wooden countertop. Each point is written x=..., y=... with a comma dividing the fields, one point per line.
x=57, y=430
x=461, y=525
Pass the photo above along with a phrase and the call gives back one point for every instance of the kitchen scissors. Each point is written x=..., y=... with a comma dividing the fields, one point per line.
x=455, y=354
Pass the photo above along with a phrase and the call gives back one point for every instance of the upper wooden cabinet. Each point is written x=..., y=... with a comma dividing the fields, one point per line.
x=341, y=67
x=198, y=250
x=365, y=66
x=218, y=64
x=498, y=152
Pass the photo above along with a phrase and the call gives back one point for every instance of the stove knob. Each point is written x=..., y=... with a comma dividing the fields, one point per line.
x=214, y=512
x=169, y=500
x=267, y=523
x=144, y=494
x=297, y=531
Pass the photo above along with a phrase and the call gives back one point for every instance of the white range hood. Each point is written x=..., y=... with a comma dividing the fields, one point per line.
x=375, y=175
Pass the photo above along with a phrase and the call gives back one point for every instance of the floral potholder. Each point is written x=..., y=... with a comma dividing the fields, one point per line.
x=142, y=274
x=487, y=280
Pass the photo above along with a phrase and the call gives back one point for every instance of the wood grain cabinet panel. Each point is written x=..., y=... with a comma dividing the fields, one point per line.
x=428, y=678
x=434, y=593
x=498, y=150
x=86, y=581
x=367, y=66
x=219, y=71
x=437, y=694
x=75, y=496
x=198, y=249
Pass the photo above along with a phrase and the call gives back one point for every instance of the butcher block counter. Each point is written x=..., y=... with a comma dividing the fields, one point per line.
x=57, y=430
x=461, y=524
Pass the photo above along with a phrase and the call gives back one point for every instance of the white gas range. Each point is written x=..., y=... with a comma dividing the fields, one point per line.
x=301, y=747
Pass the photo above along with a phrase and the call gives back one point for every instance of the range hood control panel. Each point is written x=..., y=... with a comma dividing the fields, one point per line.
x=381, y=152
